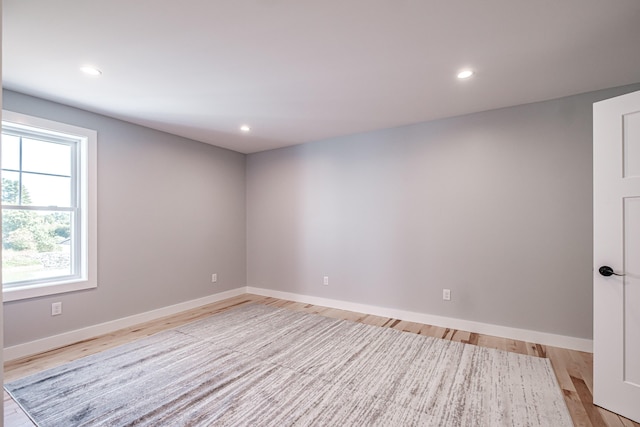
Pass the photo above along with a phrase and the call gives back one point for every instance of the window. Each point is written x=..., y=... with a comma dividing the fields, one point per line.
x=48, y=207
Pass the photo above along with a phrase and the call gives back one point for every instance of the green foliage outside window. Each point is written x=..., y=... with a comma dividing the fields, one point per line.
x=24, y=230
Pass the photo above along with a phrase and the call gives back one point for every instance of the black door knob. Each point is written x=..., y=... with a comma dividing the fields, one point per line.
x=607, y=271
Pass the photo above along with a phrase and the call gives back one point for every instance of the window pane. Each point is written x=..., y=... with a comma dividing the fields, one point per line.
x=10, y=188
x=42, y=255
x=36, y=245
x=46, y=190
x=10, y=152
x=46, y=157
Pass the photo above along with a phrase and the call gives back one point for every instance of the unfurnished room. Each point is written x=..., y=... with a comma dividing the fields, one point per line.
x=320, y=213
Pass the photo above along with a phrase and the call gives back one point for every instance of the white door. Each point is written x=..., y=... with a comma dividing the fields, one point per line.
x=616, y=234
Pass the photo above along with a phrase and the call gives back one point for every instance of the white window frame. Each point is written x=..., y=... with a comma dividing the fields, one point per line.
x=87, y=174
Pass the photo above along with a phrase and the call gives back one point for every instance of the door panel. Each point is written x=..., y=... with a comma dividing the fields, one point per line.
x=631, y=290
x=631, y=144
x=616, y=234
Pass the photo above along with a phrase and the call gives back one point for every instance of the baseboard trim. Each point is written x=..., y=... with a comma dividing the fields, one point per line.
x=67, y=338
x=71, y=337
x=544, y=338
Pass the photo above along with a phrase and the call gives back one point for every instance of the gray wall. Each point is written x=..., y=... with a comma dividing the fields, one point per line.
x=496, y=206
x=171, y=212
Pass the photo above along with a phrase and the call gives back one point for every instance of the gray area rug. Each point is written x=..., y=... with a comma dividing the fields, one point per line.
x=261, y=366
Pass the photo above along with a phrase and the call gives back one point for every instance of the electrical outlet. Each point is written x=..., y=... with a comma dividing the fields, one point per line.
x=325, y=281
x=446, y=294
x=56, y=308
x=214, y=277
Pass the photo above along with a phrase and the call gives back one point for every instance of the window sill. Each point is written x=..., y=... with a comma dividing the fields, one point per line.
x=40, y=290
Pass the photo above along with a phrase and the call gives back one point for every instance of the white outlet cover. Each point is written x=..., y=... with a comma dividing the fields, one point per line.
x=56, y=308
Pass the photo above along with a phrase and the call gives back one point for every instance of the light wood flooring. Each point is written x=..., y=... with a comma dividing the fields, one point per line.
x=573, y=368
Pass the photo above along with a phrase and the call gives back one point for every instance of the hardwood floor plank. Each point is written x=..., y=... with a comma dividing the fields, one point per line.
x=515, y=346
x=433, y=331
x=626, y=422
x=576, y=409
x=610, y=419
x=574, y=369
x=559, y=362
x=492, y=342
x=587, y=402
x=371, y=319
x=583, y=363
x=473, y=339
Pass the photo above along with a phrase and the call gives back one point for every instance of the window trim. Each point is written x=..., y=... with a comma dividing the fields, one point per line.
x=87, y=172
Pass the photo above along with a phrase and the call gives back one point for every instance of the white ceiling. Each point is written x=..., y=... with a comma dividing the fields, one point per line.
x=300, y=71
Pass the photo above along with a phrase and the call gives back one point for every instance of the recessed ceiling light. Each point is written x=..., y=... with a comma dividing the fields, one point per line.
x=245, y=128
x=92, y=71
x=465, y=74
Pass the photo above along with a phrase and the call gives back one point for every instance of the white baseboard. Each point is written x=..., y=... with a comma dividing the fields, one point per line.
x=543, y=338
x=61, y=340
x=67, y=338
